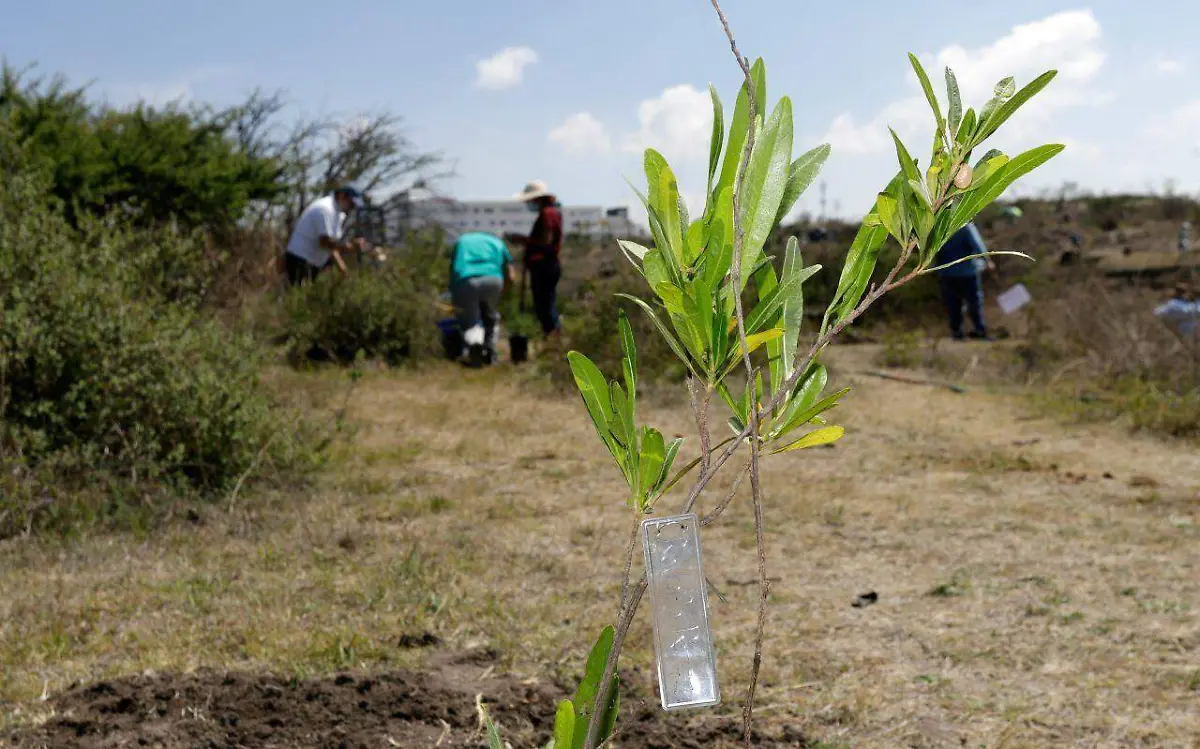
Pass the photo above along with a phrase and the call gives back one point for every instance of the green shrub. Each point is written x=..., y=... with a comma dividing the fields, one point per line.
x=388, y=313
x=108, y=375
x=150, y=164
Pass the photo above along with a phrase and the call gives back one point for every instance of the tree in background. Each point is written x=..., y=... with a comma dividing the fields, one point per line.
x=205, y=167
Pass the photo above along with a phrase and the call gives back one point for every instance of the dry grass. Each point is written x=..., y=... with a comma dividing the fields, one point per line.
x=1031, y=594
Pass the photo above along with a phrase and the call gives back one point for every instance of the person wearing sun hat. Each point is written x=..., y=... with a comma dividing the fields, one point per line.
x=543, y=250
x=317, y=236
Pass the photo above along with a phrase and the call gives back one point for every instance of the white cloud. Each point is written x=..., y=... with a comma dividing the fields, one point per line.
x=1168, y=66
x=1067, y=41
x=581, y=134
x=504, y=69
x=677, y=123
x=1175, y=131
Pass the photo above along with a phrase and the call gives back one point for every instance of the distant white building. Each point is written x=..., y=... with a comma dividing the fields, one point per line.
x=414, y=210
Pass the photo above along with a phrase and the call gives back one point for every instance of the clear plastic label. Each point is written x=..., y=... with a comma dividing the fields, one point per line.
x=683, y=646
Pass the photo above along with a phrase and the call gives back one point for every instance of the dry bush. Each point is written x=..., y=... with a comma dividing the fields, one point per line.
x=1109, y=352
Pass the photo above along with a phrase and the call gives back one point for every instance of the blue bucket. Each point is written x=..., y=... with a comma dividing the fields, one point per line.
x=452, y=340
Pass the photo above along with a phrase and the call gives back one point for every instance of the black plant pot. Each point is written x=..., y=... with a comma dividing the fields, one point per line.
x=518, y=346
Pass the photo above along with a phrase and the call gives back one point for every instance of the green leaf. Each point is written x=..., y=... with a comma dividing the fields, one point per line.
x=989, y=125
x=735, y=405
x=718, y=136
x=585, y=695
x=822, y=436
x=888, y=210
x=699, y=307
x=806, y=393
x=765, y=282
x=594, y=389
x=654, y=268
x=666, y=334
x=753, y=343
x=671, y=296
x=966, y=130
x=765, y=182
x=629, y=348
x=804, y=416
x=793, y=310
x=668, y=461
x=720, y=241
x=664, y=199
x=633, y=251
x=800, y=175
x=955, y=99
x=856, y=273
x=564, y=726
x=621, y=425
x=907, y=165
x=493, y=735
x=608, y=719
x=976, y=200
x=928, y=89
x=650, y=462
x=969, y=258
x=766, y=309
x=1005, y=89
x=697, y=237
x=739, y=127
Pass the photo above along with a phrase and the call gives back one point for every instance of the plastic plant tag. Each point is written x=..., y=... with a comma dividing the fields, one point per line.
x=683, y=646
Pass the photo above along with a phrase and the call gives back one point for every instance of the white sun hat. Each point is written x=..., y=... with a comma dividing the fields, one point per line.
x=535, y=189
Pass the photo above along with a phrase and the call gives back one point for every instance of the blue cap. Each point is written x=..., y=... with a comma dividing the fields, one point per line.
x=354, y=194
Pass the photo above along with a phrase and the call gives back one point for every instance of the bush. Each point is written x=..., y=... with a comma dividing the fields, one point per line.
x=108, y=374
x=150, y=164
x=388, y=313
x=590, y=324
x=1108, y=356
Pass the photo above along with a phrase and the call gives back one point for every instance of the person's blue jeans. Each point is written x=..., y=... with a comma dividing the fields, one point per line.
x=543, y=282
x=958, y=291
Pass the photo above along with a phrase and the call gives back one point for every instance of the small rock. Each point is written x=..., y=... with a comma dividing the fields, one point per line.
x=866, y=599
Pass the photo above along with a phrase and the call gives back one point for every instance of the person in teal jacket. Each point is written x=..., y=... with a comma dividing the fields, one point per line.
x=481, y=264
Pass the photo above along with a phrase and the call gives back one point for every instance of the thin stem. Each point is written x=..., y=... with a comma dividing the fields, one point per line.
x=764, y=591
x=751, y=383
x=700, y=404
x=716, y=512
x=633, y=534
x=688, y=469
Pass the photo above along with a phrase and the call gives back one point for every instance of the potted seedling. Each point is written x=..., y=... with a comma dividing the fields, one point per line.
x=520, y=324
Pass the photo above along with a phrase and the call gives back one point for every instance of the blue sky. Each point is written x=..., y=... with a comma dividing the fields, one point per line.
x=569, y=92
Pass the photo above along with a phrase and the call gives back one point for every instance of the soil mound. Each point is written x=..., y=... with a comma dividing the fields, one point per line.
x=432, y=708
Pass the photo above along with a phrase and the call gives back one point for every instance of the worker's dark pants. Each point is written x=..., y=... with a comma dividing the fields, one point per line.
x=957, y=291
x=298, y=269
x=543, y=282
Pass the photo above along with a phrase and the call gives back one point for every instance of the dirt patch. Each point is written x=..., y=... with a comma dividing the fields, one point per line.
x=437, y=707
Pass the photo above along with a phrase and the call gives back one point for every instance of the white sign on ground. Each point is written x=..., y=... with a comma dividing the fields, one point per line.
x=1014, y=299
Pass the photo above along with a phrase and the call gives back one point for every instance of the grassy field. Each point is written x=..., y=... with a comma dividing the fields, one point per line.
x=1039, y=584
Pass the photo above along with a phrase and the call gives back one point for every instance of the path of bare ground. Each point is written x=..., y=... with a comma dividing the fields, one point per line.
x=1038, y=583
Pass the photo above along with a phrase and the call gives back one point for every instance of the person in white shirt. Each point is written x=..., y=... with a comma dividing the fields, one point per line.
x=317, y=236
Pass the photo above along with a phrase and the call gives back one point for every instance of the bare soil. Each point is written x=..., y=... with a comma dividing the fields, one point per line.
x=210, y=709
